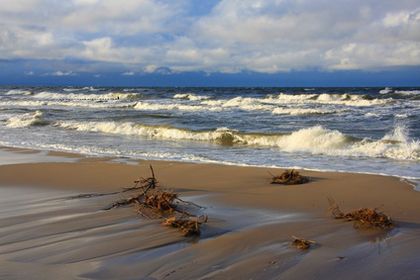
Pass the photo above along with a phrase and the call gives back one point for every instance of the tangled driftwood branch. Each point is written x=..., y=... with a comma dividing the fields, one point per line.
x=155, y=203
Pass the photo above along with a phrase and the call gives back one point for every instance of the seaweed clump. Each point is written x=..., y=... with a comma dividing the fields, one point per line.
x=289, y=177
x=153, y=202
x=189, y=226
x=363, y=217
x=301, y=243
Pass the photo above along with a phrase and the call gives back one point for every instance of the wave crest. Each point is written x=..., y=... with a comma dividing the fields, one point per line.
x=314, y=140
x=18, y=92
x=191, y=96
x=59, y=103
x=333, y=99
x=86, y=97
x=304, y=111
x=385, y=90
x=147, y=106
x=26, y=120
x=408, y=92
x=268, y=103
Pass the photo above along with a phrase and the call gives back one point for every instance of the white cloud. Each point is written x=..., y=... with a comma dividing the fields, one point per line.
x=129, y=73
x=151, y=68
x=62, y=73
x=265, y=36
x=126, y=17
x=85, y=2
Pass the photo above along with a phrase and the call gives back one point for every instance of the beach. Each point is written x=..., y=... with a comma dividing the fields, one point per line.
x=228, y=139
x=53, y=223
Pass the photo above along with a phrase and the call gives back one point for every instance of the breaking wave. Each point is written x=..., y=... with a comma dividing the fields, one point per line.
x=191, y=97
x=243, y=103
x=26, y=120
x=86, y=97
x=18, y=92
x=249, y=103
x=408, y=92
x=313, y=140
x=147, y=106
x=61, y=103
x=334, y=99
x=304, y=111
x=79, y=89
x=385, y=90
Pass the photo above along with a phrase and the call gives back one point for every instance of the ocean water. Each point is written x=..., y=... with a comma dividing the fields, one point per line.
x=373, y=130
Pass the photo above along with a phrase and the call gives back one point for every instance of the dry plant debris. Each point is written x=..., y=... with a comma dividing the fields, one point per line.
x=363, y=217
x=301, y=243
x=188, y=225
x=155, y=203
x=289, y=177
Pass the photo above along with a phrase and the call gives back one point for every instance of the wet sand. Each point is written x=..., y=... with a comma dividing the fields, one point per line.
x=48, y=231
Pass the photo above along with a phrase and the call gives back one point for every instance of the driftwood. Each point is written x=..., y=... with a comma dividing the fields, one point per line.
x=155, y=203
x=289, y=177
x=144, y=183
x=301, y=243
x=363, y=217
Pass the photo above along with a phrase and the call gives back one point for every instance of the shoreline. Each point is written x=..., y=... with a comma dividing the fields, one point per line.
x=53, y=223
x=414, y=182
x=71, y=165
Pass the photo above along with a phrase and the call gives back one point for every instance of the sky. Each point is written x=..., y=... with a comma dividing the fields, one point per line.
x=210, y=42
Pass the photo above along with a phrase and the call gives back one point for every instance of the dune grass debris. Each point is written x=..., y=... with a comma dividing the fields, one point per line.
x=301, y=243
x=363, y=217
x=289, y=177
x=153, y=202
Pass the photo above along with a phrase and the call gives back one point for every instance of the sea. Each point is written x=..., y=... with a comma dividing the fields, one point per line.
x=366, y=130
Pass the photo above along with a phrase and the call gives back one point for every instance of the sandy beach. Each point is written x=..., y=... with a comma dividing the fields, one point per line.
x=227, y=139
x=50, y=228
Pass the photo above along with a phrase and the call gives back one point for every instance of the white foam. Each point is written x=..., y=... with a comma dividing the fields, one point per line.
x=242, y=103
x=190, y=96
x=304, y=111
x=18, y=92
x=71, y=89
x=26, y=120
x=85, y=97
x=395, y=145
x=147, y=106
x=335, y=99
x=385, y=90
x=158, y=132
x=314, y=140
x=371, y=114
x=79, y=89
x=64, y=103
x=408, y=92
x=267, y=103
x=401, y=116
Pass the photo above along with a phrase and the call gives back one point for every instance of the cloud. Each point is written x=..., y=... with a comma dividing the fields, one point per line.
x=229, y=36
x=61, y=73
x=129, y=73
